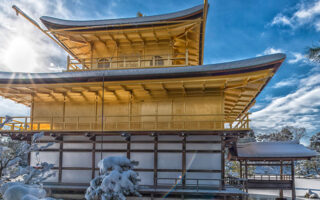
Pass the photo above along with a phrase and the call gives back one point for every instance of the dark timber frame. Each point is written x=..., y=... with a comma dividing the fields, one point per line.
x=154, y=139
x=283, y=182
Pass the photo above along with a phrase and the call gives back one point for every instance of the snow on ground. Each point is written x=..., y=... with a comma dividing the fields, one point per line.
x=302, y=186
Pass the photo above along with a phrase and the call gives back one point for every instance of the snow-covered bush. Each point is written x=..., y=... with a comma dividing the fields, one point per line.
x=311, y=195
x=117, y=180
x=20, y=191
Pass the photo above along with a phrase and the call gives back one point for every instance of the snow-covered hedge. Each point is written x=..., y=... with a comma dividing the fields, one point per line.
x=117, y=180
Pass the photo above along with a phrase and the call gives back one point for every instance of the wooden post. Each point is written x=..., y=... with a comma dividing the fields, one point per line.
x=93, y=163
x=293, y=181
x=240, y=169
x=222, y=186
x=184, y=167
x=68, y=63
x=281, y=178
x=246, y=173
x=139, y=61
x=32, y=111
x=128, y=139
x=64, y=111
x=155, y=161
x=187, y=57
x=51, y=123
x=26, y=123
x=60, y=159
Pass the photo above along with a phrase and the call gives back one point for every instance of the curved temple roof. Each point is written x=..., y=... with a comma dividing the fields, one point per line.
x=190, y=13
x=235, y=67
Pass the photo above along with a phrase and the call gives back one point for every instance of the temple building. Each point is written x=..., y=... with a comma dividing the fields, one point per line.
x=137, y=87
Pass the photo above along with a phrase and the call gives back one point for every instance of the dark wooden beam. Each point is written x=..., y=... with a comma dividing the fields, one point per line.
x=60, y=160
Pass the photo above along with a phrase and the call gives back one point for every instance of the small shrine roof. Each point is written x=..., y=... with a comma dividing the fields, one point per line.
x=273, y=151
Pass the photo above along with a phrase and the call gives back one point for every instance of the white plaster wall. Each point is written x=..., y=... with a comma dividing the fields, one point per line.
x=169, y=146
x=72, y=138
x=203, y=161
x=49, y=157
x=145, y=160
x=146, y=178
x=149, y=146
x=203, y=138
x=77, y=146
x=169, y=161
x=203, y=146
x=111, y=146
x=168, y=175
x=77, y=159
x=110, y=138
x=169, y=138
x=203, y=175
x=142, y=138
x=76, y=176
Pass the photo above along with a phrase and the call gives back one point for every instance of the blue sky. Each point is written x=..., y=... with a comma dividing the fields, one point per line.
x=235, y=30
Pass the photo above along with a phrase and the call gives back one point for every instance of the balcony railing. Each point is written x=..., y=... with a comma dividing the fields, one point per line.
x=121, y=122
x=130, y=61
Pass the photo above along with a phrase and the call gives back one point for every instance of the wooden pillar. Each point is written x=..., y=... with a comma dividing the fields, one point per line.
x=281, y=178
x=240, y=169
x=222, y=186
x=155, y=161
x=293, y=181
x=128, y=139
x=184, y=160
x=32, y=112
x=29, y=139
x=60, y=159
x=246, y=174
x=96, y=109
x=93, y=164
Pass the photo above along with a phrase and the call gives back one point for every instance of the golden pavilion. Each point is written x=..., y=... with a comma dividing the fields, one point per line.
x=137, y=87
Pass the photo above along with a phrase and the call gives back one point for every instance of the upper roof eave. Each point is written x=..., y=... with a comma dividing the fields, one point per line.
x=235, y=67
x=55, y=23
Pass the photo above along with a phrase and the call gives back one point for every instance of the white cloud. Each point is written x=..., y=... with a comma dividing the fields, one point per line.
x=306, y=12
x=297, y=57
x=270, y=50
x=301, y=108
x=23, y=48
x=280, y=19
x=285, y=83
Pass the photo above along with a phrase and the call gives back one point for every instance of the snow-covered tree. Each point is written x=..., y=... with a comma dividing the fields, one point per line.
x=117, y=180
x=315, y=145
x=14, y=161
x=18, y=180
x=287, y=133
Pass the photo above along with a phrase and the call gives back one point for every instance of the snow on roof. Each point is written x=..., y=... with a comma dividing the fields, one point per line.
x=274, y=150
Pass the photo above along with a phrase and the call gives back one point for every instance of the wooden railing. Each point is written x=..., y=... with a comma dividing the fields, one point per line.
x=125, y=122
x=125, y=62
x=201, y=183
x=270, y=177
